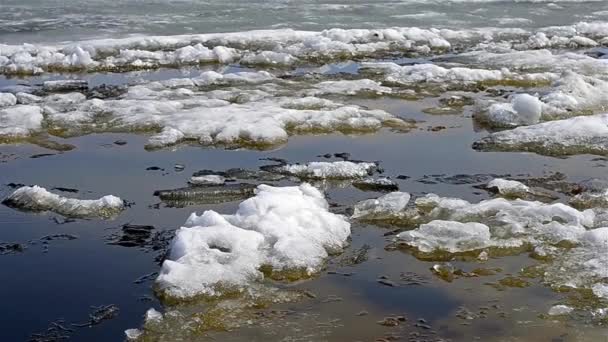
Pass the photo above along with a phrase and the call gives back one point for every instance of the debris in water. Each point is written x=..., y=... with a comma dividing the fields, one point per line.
x=11, y=248
x=101, y=313
x=207, y=194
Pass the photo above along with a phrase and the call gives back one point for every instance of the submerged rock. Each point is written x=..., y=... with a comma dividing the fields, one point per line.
x=11, y=248
x=207, y=194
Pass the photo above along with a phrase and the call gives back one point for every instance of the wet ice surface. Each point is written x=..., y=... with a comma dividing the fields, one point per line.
x=500, y=123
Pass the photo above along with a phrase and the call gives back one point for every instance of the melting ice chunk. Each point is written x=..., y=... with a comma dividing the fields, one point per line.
x=448, y=236
x=287, y=229
x=578, y=135
x=389, y=206
x=35, y=198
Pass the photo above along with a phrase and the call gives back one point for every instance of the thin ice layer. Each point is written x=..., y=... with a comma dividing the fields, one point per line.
x=578, y=135
x=288, y=229
x=35, y=198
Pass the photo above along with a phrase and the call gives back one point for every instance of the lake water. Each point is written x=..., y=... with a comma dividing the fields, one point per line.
x=174, y=87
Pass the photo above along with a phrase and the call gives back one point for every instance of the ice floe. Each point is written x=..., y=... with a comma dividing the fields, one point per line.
x=571, y=242
x=577, y=135
x=280, y=47
x=431, y=73
x=448, y=236
x=7, y=99
x=288, y=229
x=20, y=121
x=178, y=111
x=35, y=198
x=560, y=310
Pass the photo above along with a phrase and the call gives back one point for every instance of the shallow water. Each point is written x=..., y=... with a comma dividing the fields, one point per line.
x=425, y=147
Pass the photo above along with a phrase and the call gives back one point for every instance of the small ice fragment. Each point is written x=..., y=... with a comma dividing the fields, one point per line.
x=508, y=188
x=153, y=316
x=386, y=207
x=20, y=120
x=7, y=99
x=65, y=85
x=133, y=334
x=523, y=109
x=207, y=180
x=27, y=99
x=35, y=198
x=560, y=310
x=600, y=290
x=528, y=108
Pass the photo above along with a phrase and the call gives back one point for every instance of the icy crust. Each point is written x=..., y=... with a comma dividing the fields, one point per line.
x=35, y=198
x=578, y=135
x=431, y=73
x=288, y=230
x=280, y=47
x=329, y=170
